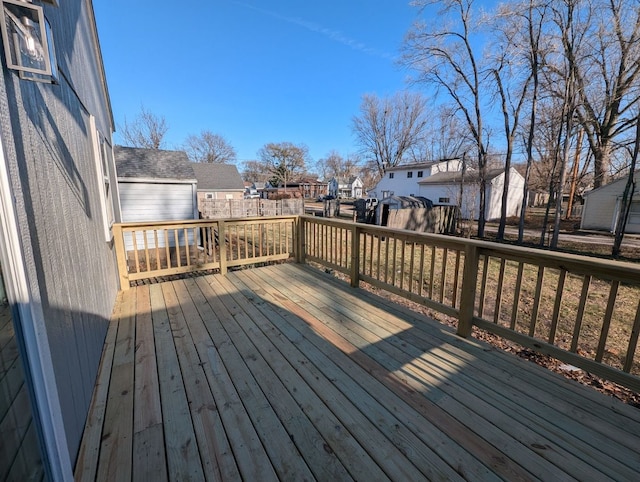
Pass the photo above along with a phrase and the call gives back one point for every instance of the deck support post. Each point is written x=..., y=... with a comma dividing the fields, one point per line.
x=222, y=241
x=355, y=256
x=121, y=256
x=469, y=285
x=300, y=241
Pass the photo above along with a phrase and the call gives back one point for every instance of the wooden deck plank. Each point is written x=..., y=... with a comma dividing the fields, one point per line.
x=492, y=458
x=585, y=430
x=423, y=365
x=117, y=434
x=573, y=395
x=209, y=431
x=246, y=371
x=321, y=437
x=234, y=395
x=285, y=373
x=149, y=460
x=88, y=457
x=311, y=358
x=183, y=459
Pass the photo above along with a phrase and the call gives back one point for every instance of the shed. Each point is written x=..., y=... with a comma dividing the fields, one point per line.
x=601, y=207
x=155, y=185
x=394, y=203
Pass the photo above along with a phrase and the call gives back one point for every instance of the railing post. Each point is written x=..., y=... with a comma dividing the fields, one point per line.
x=355, y=256
x=222, y=242
x=469, y=285
x=121, y=257
x=300, y=241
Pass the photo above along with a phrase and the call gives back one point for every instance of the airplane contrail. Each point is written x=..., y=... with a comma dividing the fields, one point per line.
x=334, y=35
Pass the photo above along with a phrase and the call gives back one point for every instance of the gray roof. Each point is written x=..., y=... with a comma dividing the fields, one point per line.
x=417, y=165
x=446, y=177
x=217, y=177
x=134, y=162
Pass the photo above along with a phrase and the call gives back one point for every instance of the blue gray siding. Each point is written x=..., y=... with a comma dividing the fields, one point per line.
x=49, y=155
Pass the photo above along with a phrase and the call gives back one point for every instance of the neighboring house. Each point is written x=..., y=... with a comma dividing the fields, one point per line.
x=155, y=185
x=58, y=201
x=602, y=205
x=445, y=187
x=218, y=181
x=301, y=188
x=403, y=180
x=341, y=187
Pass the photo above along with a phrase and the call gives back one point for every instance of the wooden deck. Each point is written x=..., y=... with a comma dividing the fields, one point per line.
x=284, y=373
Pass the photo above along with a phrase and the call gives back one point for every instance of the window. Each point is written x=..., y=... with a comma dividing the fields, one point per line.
x=101, y=152
x=391, y=175
x=409, y=174
x=208, y=195
x=420, y=173
x=443, y=200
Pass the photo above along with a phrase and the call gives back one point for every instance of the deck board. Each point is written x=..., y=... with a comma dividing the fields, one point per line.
x=284, y=373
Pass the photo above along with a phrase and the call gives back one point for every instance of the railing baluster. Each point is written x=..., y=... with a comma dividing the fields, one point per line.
x=483, y=285
x=135, y=250
x=633, y=342
x=497, y=309
x=411, y=266
x=443, y=274
x=421, y=273
x=155, y=240
x=432, y=271
x=556, y=306
x=581, y=305
x=516, y=296
x=455, y=279
x=536, y=301
x=606, y=322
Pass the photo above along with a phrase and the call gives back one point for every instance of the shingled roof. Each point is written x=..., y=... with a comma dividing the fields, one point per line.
x=217, y=177
x=137, y=163
x=446, y=177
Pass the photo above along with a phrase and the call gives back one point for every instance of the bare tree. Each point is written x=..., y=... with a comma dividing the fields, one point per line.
x=209, y=147
x=444, y=56
x=147, y=130
x=388, y=128
x=627, y=195
x=334, y=165
x=255, y=171
x=284, y=160
x=607, y=77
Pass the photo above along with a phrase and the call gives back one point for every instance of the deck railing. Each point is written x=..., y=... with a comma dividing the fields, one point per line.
x=581, y=310
x=151, y=250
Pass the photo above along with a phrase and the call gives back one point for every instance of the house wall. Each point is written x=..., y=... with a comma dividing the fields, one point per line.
x=48, y=152
x=514, y=200
x=219, y=195
x=400, y=184
x=601, y=207
x=145, y=201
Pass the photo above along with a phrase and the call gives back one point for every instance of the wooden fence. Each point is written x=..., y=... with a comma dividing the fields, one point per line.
x=248, y=208
x=581, y=310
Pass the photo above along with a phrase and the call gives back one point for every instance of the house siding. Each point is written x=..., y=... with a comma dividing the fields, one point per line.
x=50, y=160
x=157, y=201
x=600, y=207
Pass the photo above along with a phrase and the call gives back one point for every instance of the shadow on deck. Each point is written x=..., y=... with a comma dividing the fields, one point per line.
x=283, y=373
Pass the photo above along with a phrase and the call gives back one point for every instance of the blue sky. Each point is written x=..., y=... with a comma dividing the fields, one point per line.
x=253, y=71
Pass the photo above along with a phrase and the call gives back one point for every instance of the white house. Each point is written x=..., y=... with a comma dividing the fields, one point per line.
x=404, y=180
x=445, y=188
x=346, y=187
x=602, y=205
